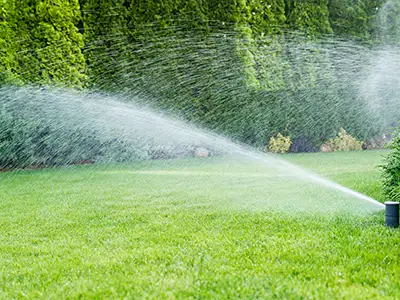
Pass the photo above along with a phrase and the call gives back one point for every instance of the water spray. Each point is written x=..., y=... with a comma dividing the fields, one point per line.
x=392, y=214
x=118, y=119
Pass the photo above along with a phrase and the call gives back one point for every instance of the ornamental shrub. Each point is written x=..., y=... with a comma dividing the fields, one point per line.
x=342, y=142
x=35, y=130
x=279, y=144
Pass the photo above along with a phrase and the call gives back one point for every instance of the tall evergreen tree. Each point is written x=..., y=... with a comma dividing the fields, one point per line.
x=310, y=17
x=7, y=43
x=105, y=32
x=58, y=42
x=23, y=22
x=349, y=18
x=267, y=24
x=43, y=42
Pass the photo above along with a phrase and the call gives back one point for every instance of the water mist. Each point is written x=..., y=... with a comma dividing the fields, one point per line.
x=88, y=121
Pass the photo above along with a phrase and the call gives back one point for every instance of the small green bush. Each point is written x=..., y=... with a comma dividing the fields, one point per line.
x=279, y=144
x=342, y=142
x=377, y=142
x=32, y=135
x=391, y=171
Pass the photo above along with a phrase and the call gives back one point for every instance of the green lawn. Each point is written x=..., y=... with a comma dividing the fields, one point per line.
x=202, y=228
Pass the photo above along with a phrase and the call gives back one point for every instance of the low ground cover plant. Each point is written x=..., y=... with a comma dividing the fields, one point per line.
x=154, y=231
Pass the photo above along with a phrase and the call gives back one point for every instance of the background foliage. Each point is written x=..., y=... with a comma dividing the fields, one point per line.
x=245, y=68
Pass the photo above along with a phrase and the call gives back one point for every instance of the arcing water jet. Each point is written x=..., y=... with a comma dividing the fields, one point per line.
x=105, y=127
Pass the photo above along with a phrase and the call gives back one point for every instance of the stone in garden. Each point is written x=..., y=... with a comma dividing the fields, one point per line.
x=201, y=152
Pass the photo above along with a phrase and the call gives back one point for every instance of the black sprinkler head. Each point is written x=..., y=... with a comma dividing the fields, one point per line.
x=392, y=214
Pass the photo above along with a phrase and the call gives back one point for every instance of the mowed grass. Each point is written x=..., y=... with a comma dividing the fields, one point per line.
x=173, y=230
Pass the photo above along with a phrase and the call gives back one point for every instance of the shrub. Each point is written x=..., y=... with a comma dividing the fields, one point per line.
x=33, y=133
x=391, y=171
x=26, y=143
x=342, y=142
x=279, y=144
x=302, y=144
x=377, y=142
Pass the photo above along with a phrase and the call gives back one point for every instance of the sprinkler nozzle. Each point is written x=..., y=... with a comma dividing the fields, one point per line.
x=392, y=214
